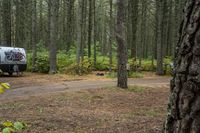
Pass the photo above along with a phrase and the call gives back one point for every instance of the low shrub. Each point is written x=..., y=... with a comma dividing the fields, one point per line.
x=12, y=127
x=85, y=67
x=42, y=64
x=103, y=63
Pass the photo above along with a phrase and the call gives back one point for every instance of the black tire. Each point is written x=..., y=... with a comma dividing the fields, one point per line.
x=10, y=73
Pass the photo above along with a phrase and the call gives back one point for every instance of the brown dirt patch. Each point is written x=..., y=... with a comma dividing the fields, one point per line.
x=101, y=110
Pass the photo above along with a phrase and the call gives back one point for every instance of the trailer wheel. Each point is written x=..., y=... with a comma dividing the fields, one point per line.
x=10, y=73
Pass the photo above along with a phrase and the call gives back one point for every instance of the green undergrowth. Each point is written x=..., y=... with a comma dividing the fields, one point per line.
x=133, y=89
x=130, y=75
x=8, y=126
x=12, y=127
x=66, y=63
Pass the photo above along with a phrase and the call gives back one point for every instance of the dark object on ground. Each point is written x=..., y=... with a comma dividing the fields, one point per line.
x=100, y=74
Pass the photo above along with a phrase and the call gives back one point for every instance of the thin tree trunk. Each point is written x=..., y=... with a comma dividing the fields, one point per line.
x=111, y=35
x=159, y=38
x=95, y=32
x=134, y=5
x=79, y=53
x=54, y=7
x=6, y=22
x=122, y=50
x=89, y=28
x=34, y=52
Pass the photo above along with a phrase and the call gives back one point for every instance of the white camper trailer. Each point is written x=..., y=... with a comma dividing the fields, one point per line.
x=12, y=58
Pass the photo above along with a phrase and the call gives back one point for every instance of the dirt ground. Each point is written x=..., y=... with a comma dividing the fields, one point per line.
x=32, y=79
x=94, y=110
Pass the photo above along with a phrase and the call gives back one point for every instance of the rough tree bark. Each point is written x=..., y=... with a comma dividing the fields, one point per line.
x=6, y=22
x=159, y=13
x=95, y=32
x=34, y=37
x=134, y=14
x=184, y=107
x=111, y=35
x=69, y=30
x=122, y=50
x=89, y=28
x=53, y=14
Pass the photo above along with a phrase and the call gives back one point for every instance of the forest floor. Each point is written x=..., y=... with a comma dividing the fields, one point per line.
x=62, y=104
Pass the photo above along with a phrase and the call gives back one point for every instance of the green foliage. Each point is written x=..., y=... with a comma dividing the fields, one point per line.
x=85, y=67
x=103, y=63
x=148, y=66
x=130, y=75
x=136, y=89
x=10, y=127
x=66, y=62
x=42, y=64
x=7, y=126
x=168, y=60
x=135, y=75
x=167, y=64
x=19, y=125
x=40, y=46
x=111, y=75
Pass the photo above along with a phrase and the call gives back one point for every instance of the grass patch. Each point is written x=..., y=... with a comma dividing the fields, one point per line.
x=150, y=113
x=130, y=75
x=136, y=89
x=91, y=98
x=12, y=106
x=142, y=112
x=135, y=75
x=111, y=75
x=39, y=109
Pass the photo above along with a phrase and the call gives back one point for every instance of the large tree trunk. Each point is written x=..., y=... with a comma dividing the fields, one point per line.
x=184, y=107
x=122, y=50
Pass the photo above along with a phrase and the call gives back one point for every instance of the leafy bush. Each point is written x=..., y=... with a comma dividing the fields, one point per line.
x=10, y=127
x=103, y=63
x=168, y=61
x=85, y=67
x=42, y=64
x=148, y=66
x=66, y=61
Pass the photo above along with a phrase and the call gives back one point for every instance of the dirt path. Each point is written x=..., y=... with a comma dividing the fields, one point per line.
x=54, y=86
